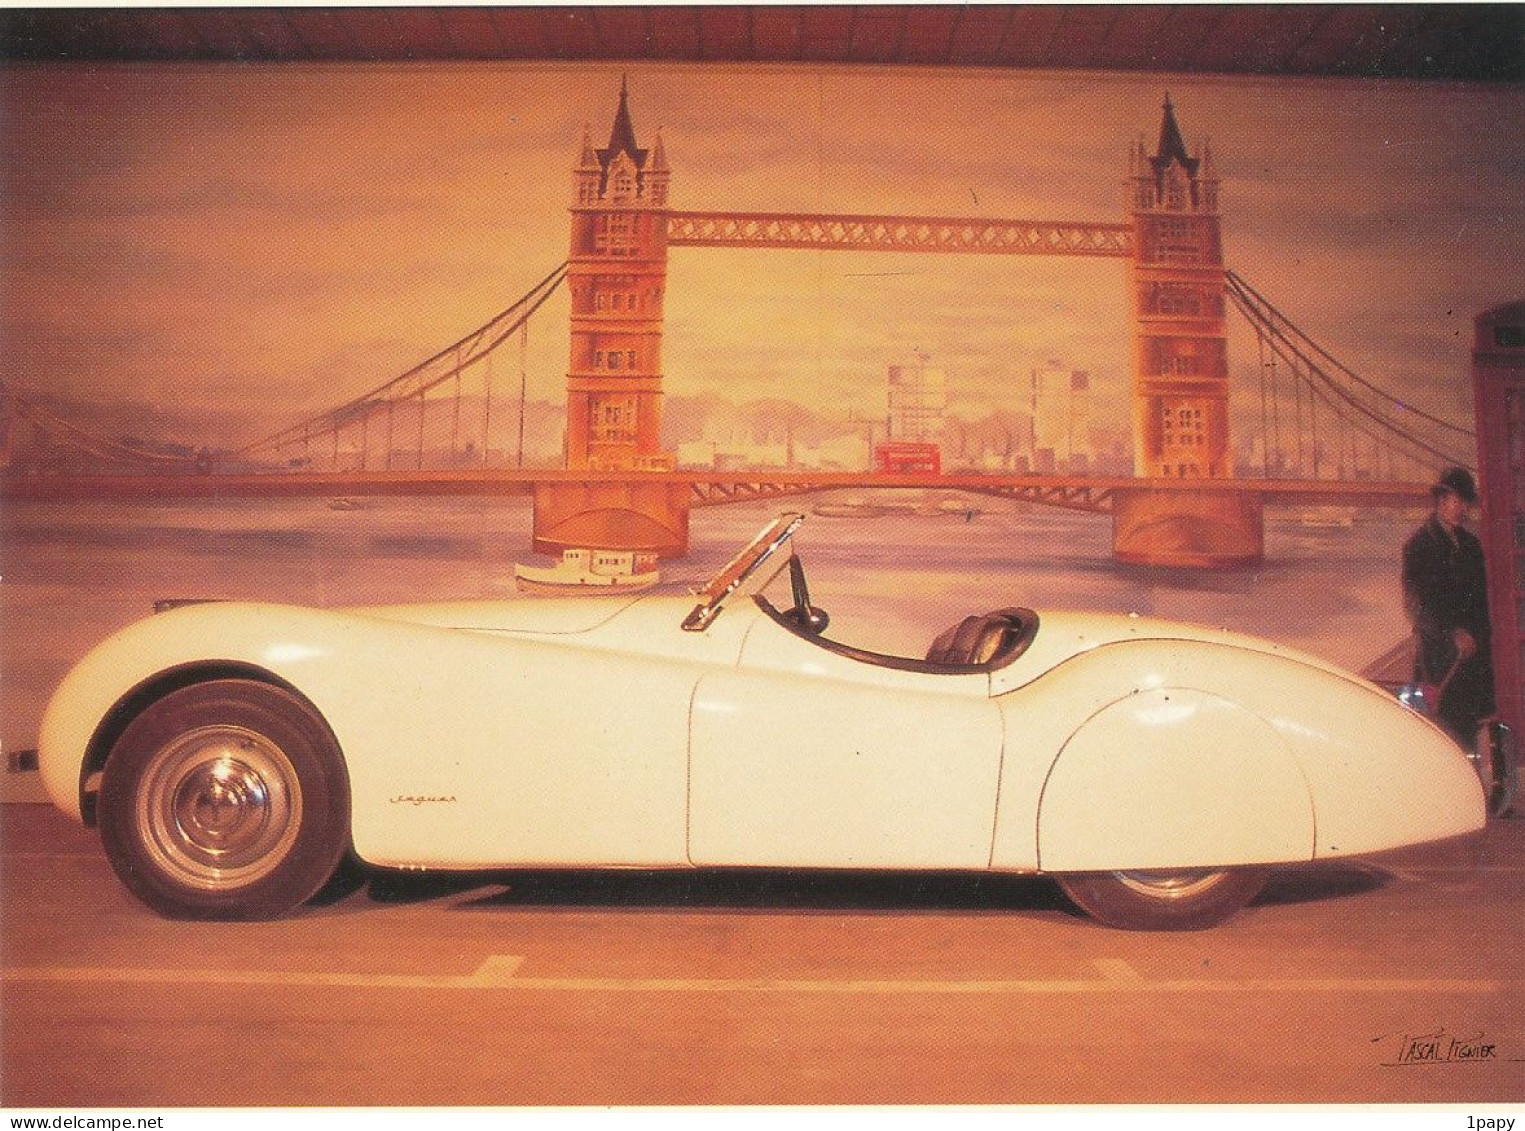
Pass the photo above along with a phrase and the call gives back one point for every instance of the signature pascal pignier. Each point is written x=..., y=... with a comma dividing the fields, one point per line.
x=1438, y=1047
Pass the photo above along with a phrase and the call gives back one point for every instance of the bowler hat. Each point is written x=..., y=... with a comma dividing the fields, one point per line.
x=1458, y=481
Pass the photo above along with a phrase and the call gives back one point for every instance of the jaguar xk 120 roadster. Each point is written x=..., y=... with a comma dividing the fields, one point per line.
x=232, y=754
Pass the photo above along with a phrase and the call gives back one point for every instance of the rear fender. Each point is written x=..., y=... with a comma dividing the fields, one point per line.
x=1172, y=753
x=1173, y=777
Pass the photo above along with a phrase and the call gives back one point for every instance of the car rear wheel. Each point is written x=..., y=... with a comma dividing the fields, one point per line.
x=226, y=799
x=1163, y=900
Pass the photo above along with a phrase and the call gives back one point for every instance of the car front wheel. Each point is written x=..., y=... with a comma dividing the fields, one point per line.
x=227, y=799
x=1163, y=900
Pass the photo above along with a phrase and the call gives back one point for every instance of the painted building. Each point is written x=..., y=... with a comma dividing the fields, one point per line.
x=1180, y=349
x=918, y=397
x=1062, y=439
x=617, y=277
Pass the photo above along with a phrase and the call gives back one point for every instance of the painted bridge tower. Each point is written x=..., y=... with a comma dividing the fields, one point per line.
x=617, y=276
x=1180, y=366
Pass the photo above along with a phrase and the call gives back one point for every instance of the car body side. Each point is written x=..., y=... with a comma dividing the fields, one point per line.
x=597, y=733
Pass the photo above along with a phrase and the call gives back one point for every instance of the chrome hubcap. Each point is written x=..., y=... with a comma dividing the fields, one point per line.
x=1171, y=884
x=220, y=807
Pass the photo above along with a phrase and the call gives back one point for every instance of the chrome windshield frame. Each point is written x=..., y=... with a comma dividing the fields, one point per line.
x=744, y=573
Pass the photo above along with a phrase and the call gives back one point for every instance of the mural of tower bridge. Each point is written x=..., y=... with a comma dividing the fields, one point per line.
x=434, y=428
x=622, y=230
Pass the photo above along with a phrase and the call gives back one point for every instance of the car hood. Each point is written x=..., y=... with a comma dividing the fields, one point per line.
x=542, y=615
x=643, y=625
x=1063, y=635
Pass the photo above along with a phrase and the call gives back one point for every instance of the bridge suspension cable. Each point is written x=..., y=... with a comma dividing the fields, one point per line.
x=26, y=404
x=345, y=432
x=1395, y=427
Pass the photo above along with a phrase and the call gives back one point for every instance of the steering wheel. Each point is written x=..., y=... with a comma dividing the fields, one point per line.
x=806, y=617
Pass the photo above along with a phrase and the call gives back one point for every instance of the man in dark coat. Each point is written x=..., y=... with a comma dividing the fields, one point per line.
x=1445, y=591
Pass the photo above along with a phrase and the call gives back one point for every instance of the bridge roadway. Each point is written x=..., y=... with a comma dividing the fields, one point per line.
x=707, y=488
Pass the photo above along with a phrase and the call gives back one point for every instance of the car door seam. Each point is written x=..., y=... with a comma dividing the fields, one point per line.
x=693, y=705
x=1000, y=774
x=688, y=785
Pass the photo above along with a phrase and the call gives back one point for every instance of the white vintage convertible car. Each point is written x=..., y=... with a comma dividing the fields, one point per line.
x=233, y=753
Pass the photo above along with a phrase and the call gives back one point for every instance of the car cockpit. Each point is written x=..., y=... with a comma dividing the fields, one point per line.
x=979, y=643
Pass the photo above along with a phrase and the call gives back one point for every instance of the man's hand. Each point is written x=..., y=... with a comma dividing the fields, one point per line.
x=1466, y=646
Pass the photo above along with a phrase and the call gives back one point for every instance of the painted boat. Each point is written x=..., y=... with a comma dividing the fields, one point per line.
x=589, y=572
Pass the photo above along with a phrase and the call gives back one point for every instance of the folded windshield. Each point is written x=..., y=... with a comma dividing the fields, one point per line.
x=746, y=573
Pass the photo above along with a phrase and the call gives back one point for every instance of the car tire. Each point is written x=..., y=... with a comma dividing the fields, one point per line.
x=1175, y=900
x=225, y=800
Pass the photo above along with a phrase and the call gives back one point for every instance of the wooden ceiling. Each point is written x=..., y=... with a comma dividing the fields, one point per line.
x=1482, y=42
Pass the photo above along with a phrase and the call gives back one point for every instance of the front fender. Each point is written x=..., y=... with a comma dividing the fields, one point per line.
x=272, y=641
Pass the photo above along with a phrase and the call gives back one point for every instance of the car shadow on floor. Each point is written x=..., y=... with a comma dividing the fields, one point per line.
x=766, y=889
x=723, y=889
x=1314, y=883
